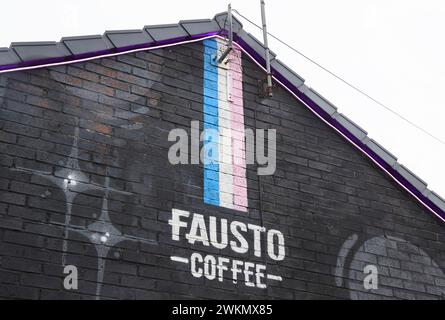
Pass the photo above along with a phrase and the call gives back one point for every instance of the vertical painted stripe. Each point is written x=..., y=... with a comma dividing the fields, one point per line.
x=225, y=182
x=238, y=132
x=210, y=126
x=225, y=149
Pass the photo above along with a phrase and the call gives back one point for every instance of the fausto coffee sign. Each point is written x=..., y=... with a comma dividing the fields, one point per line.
x=233, y=237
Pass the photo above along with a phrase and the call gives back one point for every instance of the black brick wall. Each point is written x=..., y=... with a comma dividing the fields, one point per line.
x=105, y=123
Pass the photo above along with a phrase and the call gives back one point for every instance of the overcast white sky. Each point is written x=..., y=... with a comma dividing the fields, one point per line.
x=394, y=50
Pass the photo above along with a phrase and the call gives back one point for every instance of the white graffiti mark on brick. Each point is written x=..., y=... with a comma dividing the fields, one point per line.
x=102, y=233
x=341, y=258
x=405, y=271
x=71, y=180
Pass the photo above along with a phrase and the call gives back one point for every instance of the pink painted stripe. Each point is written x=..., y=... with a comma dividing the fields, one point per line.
x=238, y=133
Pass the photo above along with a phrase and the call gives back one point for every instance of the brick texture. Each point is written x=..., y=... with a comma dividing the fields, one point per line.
x=88, y=143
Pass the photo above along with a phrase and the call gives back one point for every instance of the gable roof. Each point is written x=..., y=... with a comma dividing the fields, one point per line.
x=30, y=55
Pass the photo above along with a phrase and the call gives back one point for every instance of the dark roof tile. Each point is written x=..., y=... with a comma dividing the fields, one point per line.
x=418, y=183
x=29, y=51
x=321, y=101
x=255, y=44
x=437, y=200
x=286, y=72
x=128, y=38
x=387, y=156
x=8, y=56
x=351, y=126
x=223, y=22
x=166, y=31
x=201, y=26
x=87, y=44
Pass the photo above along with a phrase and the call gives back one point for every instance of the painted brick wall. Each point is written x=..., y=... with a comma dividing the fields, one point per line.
x=84, y=152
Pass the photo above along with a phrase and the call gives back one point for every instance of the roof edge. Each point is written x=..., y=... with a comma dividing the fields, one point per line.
x=30, y=55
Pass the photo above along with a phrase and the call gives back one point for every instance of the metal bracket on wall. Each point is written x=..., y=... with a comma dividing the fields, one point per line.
x=264, y=90
x=221, y=58
x=268, y=88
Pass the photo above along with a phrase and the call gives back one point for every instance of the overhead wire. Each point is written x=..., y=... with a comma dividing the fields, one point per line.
x=362, y=92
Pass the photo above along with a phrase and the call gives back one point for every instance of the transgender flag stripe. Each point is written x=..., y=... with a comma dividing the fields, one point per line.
x=225, y=182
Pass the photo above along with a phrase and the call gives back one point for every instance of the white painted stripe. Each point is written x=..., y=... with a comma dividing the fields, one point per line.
x=225, y=139
x=229, y=86
x=179, y=259
x=273, y=277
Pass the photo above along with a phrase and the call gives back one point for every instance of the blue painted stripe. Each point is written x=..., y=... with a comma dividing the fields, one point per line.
x=210, y=143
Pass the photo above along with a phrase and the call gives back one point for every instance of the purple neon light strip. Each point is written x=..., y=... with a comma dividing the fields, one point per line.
x=255, y=57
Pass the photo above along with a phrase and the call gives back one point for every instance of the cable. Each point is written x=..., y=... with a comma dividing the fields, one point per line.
x=344, y=81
